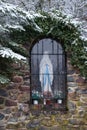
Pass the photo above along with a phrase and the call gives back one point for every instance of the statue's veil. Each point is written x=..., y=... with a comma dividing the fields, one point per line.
x=45, y=61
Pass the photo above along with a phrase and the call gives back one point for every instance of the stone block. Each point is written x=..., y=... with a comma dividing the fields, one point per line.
x=3, y=93
x=2, y=128
x=70, y=79
x=84, y=127
x=83, y=97
x=15, y=126
x=1, y=116
x=81, y=113
x=13, y=94
x=26, y=108
x=26, y=77
x=27, y=82
x=33, y=124
x=72, y=84
x=1, y=100
x=71, y=106
x=84, y=91
x=55, y=127
x=76, y=121
x=44, y=128
x=24, y=88
x=10, y=103
x=11, y=126
x=71, y=127
x=72, y=95
x=12, y=85
x=69, y=66
x=13, y=119
x=7, y=111
x=80, y=80
x=2, y=123
x=18, y=79
x=70, y=72
x=23, y=97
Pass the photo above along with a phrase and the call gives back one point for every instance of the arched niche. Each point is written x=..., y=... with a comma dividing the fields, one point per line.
x=48, y=75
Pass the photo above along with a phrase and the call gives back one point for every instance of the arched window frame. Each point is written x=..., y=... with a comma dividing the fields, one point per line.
x=58, y=42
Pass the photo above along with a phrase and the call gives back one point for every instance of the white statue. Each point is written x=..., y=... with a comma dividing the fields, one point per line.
x=46, y=74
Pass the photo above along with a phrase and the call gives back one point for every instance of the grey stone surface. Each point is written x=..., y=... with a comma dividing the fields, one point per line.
x=1, y=116
x=71, y=106
x=70, y=72
x=12, y=85
x=76, y=121
x=10, y=103
x=44, y=128
x=3, y=92
x=2, y=128
x=70, y=79
x=2, y=124
x=7, y=111
x=33, y=124
x=1, y=100
x=72, y=84
x=13, y=119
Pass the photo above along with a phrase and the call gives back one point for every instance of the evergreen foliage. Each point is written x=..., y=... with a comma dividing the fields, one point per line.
x=29, y=26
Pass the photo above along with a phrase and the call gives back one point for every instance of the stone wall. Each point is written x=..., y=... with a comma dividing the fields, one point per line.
x=15, y=113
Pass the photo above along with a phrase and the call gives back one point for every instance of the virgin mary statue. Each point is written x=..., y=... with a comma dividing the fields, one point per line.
x=46, y=74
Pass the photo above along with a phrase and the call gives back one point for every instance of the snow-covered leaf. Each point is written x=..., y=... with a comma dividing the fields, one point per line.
x=83, y=38
x=13, y=44
x=85, y=48
x=3, y=30
x=15, y=27
x=8, y=53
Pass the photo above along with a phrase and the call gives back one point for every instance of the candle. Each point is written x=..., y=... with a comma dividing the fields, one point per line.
x=59, y=101
x=35, y=102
